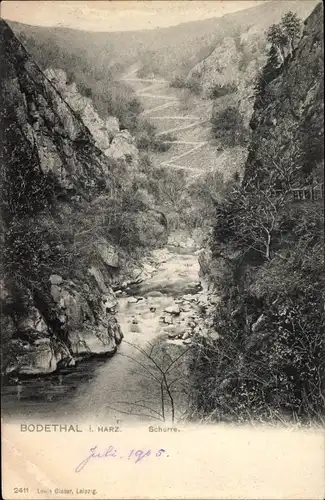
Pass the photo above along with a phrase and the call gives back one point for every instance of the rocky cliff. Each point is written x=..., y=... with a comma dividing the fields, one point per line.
x=265, y=261
x=289, y=115
x=67, y=219
x=115, y=143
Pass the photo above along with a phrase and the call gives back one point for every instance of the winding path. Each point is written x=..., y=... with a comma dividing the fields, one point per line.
x=150, y=92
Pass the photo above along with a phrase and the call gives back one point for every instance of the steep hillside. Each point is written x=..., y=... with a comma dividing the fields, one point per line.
x=89, y=62
x=71, y=218
x=264, y=356
x=226, y=79
x=289, y=113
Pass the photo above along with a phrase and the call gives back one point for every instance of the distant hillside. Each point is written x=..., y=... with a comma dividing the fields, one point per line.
x=227, y=76
x=173, y=50
x=89, y=61
x=95, y=60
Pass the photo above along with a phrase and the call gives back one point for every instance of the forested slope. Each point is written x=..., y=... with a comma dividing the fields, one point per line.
x=265, y=356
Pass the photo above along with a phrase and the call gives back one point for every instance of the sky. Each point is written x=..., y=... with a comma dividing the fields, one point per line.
x=120, y=15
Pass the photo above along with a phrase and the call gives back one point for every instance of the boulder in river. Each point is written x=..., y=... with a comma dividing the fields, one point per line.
x=132, y=300
x=167, y=319
x=185, y=307
x=186, y=335
x=55, y=279
x=108, y=253
x=155, y=293
x=174, y=309
x=190, y=298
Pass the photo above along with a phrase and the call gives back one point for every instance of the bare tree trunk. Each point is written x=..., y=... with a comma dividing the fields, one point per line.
x=162, y=400
x=268, y=245
x=290, y=46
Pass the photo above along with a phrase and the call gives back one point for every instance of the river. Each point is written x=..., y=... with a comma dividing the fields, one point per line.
x=131, y=386
x=128, y=386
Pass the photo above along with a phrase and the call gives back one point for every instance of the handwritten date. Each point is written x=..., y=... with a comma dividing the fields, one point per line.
x=133, y=455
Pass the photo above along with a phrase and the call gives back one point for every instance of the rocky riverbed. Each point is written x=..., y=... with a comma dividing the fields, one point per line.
x=160, y=315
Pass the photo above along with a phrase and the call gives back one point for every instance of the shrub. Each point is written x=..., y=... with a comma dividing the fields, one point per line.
x=84, y=90
x=221, y=90
x=147, y=140
x=268, y=360
x=192, y=84
x=228, y=126
x=178, y=82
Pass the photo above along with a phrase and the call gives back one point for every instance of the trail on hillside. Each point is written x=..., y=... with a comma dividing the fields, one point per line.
x=190, y=131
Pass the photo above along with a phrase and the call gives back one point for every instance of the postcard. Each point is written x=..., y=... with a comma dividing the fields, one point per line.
x=162, y=284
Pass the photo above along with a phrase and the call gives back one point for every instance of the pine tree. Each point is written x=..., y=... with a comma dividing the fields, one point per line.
x=291, y=26
x=278, y=39
x=268, y=73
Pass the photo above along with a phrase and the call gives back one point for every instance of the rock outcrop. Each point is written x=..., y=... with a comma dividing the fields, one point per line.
x=115, y=143
x=57, y=302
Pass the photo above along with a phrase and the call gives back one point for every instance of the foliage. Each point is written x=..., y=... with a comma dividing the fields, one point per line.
x=178, y=82
x=268, y=361
x=268, y=73
x=149, y=65
x=148, y=141
x=221, y=90
x=228, y=126
x=191, y=83
x=93, y=78
x=283, y=36
x=282, y=39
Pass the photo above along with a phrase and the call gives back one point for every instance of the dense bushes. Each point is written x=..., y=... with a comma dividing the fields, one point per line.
x=228, y=126
x=191, y=83
x=221, y=90
x=268, y=360
x=265, y=358
x=147, y=140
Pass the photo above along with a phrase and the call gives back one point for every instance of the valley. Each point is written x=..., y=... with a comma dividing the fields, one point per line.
x=158, y=264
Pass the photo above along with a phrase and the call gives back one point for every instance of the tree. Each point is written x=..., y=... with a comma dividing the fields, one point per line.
x=284, y=35
x=166, y=375
x=291, y=26
x=228, y=126
x=277, y=38
x=254, y=218
x=267, y=74
x=282, y=38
